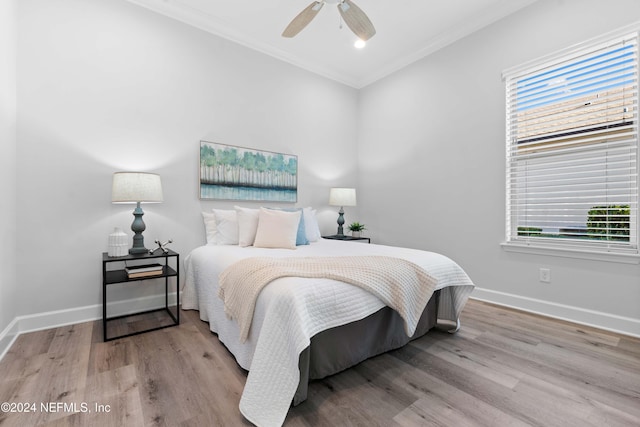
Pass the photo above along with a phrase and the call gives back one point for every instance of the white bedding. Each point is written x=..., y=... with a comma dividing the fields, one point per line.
x=290, y=311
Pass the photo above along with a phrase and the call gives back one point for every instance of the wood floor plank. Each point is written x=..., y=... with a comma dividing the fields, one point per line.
x=162, y=380
x=478, y=387
x=477, y=363
x=592, y=377
x=59, y=378
x=504, y=368
x=113, y=398
x=22, y=350
x=353, y=400
x=409, y=380
x=223, y=376
x=435, y=412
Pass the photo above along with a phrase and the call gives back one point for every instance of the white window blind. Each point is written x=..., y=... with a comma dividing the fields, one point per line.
x=572, y=148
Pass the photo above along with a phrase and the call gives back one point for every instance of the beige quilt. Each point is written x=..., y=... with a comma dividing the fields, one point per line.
x=400, y=284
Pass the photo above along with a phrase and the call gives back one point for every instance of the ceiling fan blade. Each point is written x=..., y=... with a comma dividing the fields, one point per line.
x=356, y=20
x=302, y=19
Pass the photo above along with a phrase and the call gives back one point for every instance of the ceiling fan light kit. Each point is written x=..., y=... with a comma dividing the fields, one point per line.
x=353, y=16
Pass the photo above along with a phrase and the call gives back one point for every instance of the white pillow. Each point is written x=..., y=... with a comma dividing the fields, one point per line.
x=311, y=227
x=247, y=225
x=226, y=227
x=210, y=227
x=277, y=229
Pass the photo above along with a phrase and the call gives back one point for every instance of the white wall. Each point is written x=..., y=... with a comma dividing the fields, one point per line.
x=432, y=166
x=8, y=283
x=105, y=86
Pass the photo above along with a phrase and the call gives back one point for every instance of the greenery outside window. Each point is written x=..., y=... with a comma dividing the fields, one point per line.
x=572, y=148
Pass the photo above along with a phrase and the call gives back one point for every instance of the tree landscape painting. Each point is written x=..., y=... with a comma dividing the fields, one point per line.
x=235, y=173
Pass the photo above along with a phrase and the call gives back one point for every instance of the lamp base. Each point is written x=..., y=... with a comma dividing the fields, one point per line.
x=138, y=227
x=138, y=251
x=340, y=221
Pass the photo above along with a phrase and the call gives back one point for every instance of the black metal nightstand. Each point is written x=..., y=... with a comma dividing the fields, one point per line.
x=165, y=316
x=347, y=238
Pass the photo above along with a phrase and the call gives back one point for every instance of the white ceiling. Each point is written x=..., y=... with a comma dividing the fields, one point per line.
x=407, y=30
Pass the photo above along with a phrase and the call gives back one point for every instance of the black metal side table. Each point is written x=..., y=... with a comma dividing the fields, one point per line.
x=113, y=274
x=346, y=238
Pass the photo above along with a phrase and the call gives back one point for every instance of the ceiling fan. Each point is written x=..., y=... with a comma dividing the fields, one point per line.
x=354, y=17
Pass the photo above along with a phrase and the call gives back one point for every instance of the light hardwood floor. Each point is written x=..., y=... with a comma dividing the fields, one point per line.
x=504, y=368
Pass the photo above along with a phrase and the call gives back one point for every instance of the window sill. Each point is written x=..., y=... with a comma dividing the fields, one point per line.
x=572, y=253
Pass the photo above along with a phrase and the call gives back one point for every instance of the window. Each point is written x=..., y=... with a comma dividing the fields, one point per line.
x=572, y=149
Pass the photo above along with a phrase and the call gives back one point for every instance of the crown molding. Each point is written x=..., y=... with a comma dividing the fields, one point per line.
x=210, y=24
x=197, y=18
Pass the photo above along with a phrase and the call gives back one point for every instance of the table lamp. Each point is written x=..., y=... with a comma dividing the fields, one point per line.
x=342, y=197
x=136, y=187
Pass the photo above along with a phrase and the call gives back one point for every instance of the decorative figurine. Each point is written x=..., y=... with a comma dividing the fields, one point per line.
x=161, y=245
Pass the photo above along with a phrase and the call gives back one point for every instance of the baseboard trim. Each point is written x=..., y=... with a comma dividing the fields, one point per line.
x=55, y=319
x=597, y=319
x=8, y=336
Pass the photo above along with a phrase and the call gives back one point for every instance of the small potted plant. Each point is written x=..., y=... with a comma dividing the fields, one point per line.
x=356, y=228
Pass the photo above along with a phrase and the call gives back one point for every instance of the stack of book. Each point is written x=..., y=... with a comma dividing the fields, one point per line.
x=148, y=270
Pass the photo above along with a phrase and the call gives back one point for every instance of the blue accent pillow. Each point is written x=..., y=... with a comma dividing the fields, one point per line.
x=301, y=237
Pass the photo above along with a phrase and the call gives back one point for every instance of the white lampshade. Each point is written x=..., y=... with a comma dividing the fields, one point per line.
x=342, y=197
x=132, y=187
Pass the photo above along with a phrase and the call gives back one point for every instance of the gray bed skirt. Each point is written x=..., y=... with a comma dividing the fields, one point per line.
x=342, y=347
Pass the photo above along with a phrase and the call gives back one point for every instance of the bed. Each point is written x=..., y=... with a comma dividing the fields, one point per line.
x=306, y=328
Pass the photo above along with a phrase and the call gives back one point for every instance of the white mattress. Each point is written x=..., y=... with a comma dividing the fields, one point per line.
x=290, y=311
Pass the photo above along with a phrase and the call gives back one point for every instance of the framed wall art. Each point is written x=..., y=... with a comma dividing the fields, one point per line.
x=228, y=172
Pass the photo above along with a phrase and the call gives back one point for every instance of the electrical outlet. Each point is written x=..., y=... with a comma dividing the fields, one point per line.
x=545, y=275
